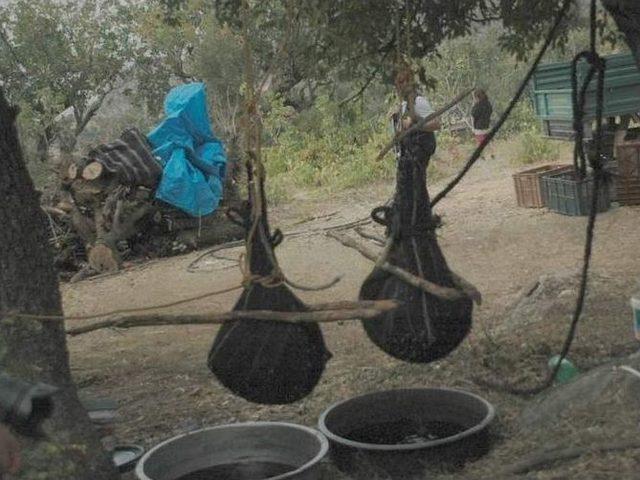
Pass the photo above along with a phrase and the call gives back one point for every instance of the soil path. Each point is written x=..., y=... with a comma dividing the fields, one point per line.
x=159, y=376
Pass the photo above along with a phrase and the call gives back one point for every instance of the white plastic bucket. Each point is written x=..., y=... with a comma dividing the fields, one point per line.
x=635, y=305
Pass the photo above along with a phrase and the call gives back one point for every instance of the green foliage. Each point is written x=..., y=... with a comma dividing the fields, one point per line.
x=165, y=55
x=534, y=148
x=221, y=69
x=327, y=147
x=358, y=39
x=56, y=56
x=522, y=119
x=471, y=61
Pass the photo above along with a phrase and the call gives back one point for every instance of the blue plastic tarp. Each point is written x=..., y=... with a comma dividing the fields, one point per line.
x=193, y=159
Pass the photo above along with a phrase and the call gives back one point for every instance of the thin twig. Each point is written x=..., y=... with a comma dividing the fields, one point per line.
x=122, y=311
x=431, y=288
x=368, y=82
x=348, y=304
x=54, y=211
x=311, y=316
x=370, y=236
x=313, y=288
x=316, y=217
x=467, y=287
x=217, y=248
x=402, y=134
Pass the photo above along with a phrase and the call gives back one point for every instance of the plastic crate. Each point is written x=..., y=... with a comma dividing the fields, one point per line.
x=567, y=194
x=529, y=188
x=611, y=168
x=628, y=173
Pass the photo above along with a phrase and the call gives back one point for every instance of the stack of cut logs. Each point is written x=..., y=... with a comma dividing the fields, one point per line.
x=96, y=222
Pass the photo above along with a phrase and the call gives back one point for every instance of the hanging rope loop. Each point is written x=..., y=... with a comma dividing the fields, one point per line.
x=597, y=67
x=382, y=215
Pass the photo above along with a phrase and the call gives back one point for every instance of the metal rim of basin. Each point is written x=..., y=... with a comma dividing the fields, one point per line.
x=491, y=412
x=129, y=465
x=322, y=440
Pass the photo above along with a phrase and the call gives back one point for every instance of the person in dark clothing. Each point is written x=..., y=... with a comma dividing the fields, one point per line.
x=481, y=114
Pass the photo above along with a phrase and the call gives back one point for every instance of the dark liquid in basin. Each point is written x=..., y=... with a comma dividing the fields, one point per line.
x=404, y=432
x=240, y=471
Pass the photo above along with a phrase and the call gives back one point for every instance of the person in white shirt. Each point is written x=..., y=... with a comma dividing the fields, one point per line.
x=415, y=108
x=422, y=109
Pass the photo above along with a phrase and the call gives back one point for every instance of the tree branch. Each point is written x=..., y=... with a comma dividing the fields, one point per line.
x=21, y=67
x=81, y=123
x=364, y=87
x=400, y=135
x=361, y=310
x=467, y=287
x=370, y=236
x=431, y=288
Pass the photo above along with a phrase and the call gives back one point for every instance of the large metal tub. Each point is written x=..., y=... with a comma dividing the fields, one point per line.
x=243, y=451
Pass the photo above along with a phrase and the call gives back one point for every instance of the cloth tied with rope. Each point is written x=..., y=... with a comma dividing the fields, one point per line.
x=425, y=327
x=264, y=361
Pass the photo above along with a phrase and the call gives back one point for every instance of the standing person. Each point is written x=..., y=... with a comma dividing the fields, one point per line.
x=481, y=114
x=416, y=107
x=419, y=145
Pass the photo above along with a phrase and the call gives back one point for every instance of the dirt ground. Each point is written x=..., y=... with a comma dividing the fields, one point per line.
x=159, y=376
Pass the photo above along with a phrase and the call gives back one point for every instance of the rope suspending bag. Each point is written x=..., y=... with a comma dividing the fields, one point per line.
x=266, y=361
x=425, y=327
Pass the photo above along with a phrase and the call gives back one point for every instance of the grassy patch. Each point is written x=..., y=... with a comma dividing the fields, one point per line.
x=534, y=148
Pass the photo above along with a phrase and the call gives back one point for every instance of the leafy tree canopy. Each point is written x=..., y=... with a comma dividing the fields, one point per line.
x=59, y=56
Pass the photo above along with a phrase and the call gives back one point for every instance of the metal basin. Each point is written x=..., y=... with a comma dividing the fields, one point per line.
x=399, y=433
x=243, y=451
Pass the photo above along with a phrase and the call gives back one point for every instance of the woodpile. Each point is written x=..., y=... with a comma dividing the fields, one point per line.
x=96, y=223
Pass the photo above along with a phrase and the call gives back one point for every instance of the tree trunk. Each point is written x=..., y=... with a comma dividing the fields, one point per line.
x=626, y=14
x=34, y=350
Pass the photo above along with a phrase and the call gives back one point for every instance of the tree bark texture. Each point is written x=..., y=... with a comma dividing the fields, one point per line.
x=626, y=14
x=32, y=350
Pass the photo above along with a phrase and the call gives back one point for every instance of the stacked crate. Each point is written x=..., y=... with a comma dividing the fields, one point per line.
x=628, y=172
x=529, y=187
x=569, y=194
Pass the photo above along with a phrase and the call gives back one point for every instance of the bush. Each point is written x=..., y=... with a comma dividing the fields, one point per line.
x=534, y=148
x=327, y=146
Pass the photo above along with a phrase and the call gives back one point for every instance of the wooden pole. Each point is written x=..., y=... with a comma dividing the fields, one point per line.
x=400, y=135
x=326, y=313
x=445, y=293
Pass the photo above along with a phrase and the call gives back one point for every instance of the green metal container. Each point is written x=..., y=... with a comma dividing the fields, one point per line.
x=552, y=93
